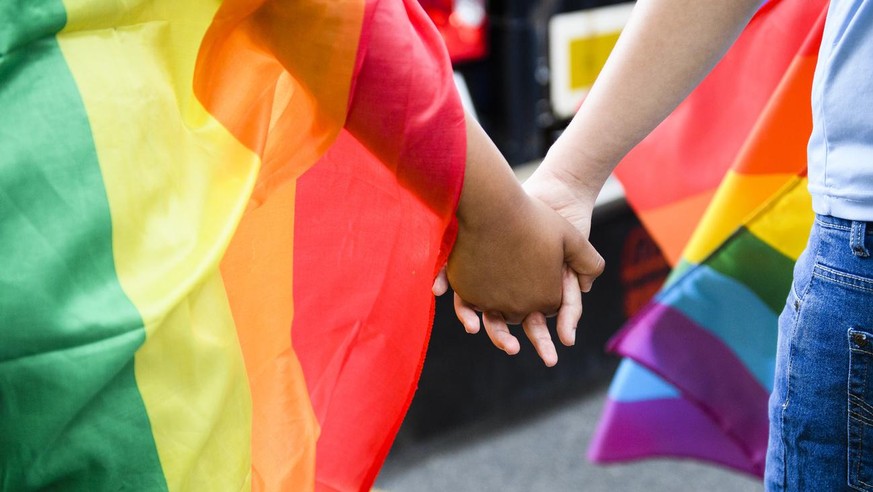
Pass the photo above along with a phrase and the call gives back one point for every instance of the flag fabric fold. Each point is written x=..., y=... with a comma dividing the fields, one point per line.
x=706, y=343
x=702, y=139
x=221, y=223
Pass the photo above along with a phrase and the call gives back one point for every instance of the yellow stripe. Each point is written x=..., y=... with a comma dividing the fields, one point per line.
x=177, y=183
x=785, y=227
x=737, y=198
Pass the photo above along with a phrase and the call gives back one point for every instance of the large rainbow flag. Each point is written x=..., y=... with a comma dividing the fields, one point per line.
x=699, y=359
x=220, y=223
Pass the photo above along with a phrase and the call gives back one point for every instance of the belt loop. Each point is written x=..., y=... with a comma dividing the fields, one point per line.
x=859, y=234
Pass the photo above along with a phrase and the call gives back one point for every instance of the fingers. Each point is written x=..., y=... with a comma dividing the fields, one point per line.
x=581, y=256
x=498, y=332
x=495, y=326
x=571, y=308
x=466, y=315
x=440, y=283
x=538, y=333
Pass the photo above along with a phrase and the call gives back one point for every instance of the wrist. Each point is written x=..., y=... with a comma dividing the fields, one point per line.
x=552, y=180
x=582, y=174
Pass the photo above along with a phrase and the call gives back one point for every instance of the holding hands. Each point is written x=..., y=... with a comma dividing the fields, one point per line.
x=515, y=258
x=514, y=253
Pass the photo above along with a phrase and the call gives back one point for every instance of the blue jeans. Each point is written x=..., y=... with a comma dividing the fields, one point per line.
x=821, y=408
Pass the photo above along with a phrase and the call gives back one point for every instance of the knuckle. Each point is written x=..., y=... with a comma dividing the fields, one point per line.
x=599, y=267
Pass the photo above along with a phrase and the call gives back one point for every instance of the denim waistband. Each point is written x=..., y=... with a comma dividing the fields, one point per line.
x=856, y=232
x=831, y=222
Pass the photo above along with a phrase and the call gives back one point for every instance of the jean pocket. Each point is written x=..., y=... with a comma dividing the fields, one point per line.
x=860, y=408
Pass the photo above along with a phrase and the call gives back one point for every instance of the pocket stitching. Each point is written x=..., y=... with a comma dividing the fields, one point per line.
x=841, y=278
x=855, y=400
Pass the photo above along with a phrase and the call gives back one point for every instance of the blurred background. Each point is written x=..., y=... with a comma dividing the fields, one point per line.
x=482, y=420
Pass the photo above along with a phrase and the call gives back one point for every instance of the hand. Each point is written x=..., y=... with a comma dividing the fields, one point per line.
x=563, y=193
x=577, y=252
x=512, y=263
x=534, y=324
x=574, y=203
x=496, y=216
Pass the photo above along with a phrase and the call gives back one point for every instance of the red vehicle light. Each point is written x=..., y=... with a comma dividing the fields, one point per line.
x=463, y=26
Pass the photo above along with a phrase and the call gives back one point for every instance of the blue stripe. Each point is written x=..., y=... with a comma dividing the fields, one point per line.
x=633, y=382
x=733, y=313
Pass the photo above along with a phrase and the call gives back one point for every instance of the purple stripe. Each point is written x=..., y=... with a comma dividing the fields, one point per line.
x=708, y=373
x=670, y=427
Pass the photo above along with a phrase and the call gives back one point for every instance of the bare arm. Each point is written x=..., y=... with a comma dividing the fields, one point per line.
x=513, y=256
x=511, y=248
x=665, y=50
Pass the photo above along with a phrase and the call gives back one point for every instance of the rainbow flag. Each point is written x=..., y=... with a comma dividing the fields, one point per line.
x=220, y=223
x=699, y=358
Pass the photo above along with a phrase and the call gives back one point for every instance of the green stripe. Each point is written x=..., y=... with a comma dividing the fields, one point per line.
x=753, y=262
x=71, y=416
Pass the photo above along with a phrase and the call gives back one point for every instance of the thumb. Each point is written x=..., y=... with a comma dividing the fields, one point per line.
x=581, y=256
x=440, y=283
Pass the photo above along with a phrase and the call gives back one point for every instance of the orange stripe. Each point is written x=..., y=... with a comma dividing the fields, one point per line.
x=258, y=273
x=301, y=55
x=672, y=225
x=773, y=147
x=312, y=45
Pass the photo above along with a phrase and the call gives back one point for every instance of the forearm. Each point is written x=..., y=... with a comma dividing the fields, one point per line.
x=490, y=188
x=506, y=258
x=665, y=50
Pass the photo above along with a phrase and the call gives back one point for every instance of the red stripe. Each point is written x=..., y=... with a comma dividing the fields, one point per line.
x=371, y=231
x=701, y=139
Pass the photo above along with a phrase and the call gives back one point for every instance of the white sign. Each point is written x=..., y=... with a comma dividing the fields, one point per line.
x=579, y=43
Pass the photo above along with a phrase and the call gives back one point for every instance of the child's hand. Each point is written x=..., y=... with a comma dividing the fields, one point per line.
x=534, y=324
x=512, y=264
x=510, y=254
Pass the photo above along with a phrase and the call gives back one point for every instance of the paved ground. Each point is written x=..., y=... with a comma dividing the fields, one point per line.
x=542, y=453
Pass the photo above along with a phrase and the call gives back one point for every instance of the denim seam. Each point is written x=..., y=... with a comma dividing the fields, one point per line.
x=799, y=297
x=844, y=274
x=840, y=281
x=860, y=440
x=859, y=403
x=857, y=422
x=859, y=233
x=861, y=437
x=859, y=417
x=830, y=225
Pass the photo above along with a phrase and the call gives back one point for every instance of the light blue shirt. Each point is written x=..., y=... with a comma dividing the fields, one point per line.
x=841, y=145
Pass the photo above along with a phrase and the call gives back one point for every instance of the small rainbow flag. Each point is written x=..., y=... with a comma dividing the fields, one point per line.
x=186, y=188
x=699, y=359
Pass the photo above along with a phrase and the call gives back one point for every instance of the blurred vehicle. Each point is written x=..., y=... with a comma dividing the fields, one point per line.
x=463, y=25
x=526, y=64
